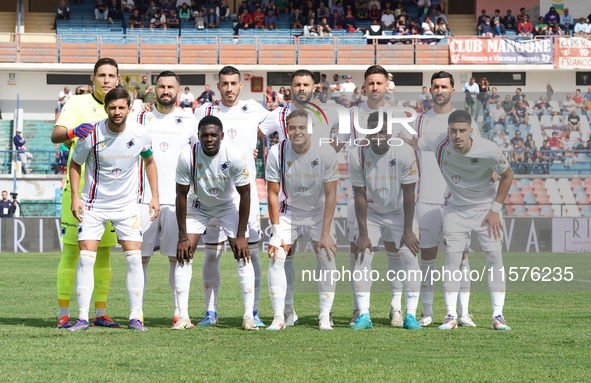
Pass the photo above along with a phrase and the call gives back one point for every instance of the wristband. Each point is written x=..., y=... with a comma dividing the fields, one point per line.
x=275, y=240
x=70, y=134
x=496, y=207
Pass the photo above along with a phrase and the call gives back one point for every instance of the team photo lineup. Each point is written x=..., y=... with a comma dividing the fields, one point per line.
x=162, y=179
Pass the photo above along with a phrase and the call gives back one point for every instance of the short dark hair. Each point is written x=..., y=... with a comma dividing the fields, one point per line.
x=303, y=73
x=228, y=71
x=498, y=10
x=375, y=69
x=296, y=113
x=186, y=88
x=105, y=61
x=210, y=120
x=443, y=74
x=375, y=116
x=117, y=94
x=459, y=116
x=168, y=73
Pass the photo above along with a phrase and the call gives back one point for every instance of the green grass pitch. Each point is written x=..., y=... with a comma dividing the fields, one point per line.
x=550, y=340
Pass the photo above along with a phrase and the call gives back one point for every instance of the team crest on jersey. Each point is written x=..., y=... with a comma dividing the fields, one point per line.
x=63, y=232
x=383, y=192
x=245, y=108
x=164, y=146
x=245, y=171
x=392, y=163
x=116, y=172
x=315, y=163
x=130, y=143
x=502, y=161
x=303, y=190
x=232, y=133
x=474, y=161
x=214, y=191
x=413, y=168
x=200, y=165
x=456, y=179
x=224, y=166
x=94, y=109
x=178, y=120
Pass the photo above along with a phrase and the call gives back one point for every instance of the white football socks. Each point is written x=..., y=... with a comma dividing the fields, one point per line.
x=182, y=282
x=145, y=261
x=135, y=283
x=427, y=286
x=497, y=285
x=464, y=294
x=394, y=264
x=277, y=283
x=451, y=287
x=211, y=275
x=246, y=279
x=326, y=287
x=352, y=281
x=290, y=278
x=412, y=282
x=363, y=283
x=171, y=282
x=85, y=281
x=258, y=273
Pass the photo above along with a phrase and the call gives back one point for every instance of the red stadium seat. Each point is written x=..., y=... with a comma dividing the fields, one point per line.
x=533, y=210
x=537, y=182
x=516, y=198
x=507, y=199
x=543, y=200
x=539, y=190
x=526, y=189
x=575, y=182
x=509, y=210
x=587, y=183
x=261, y=182
x=514, y=183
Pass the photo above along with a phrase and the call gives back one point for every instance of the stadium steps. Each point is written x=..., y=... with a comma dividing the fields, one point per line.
x=38, y=134
x=39, y=22
x=37, y=208
x=5, y=135
x=462, y=25
x=7, y=22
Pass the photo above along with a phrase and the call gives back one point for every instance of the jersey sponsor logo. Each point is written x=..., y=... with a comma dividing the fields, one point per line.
x=224, y=166
x=232, y=133
x=392, y=163
x=178, y=120
x=130, y=143
x=474, y=161
x=383, y=192
x=315, y=163
x=456, y=179
x=116, y=172
x=164, y=146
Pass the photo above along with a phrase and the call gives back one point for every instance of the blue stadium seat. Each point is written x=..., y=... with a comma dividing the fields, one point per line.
x=546, y=210
x=529, y=199
x=586, y=211
x=316, y=41
x=578, y=189
x=524, y=182
x=513, y=189
x=519, y=210
x=511, y=33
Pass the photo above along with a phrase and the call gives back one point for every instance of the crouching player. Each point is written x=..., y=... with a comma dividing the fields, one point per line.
x=111, y=155
x=215, y=179
x=472, y=203
x=301, y=183
x=389, y=174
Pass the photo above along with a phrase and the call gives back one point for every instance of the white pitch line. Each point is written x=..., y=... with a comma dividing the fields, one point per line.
x=581, y=280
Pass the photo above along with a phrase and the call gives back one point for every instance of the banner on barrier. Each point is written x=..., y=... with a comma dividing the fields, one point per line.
x=571, y=235
x=572, y=52
x=497, y=50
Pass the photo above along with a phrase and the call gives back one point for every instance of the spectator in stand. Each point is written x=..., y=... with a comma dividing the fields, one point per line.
x=438, y=4
x=503, y=142
x=424, y=97
x=287, y=97
x=115, y=12
x=128, y=5
x=258, y=19
x=587, y=107
x=167, y=7
x=150, y=96
x=335, y=87
x=438, y=15
x=179, y=3
x=211, y=19
x=374, y=13
x=319, y=93
x=244, y=21
x=324, y=83
x=152, y=10
x=555, y=141
x=5, y=206
x=347, y=89
x=420, y=108
x=208, y=95
x=139, y=91
x=541, y=107
x=531, y=154
x=517, y=96
x=270, y=20
x=422, y=7
x=337, y=6
x=497, y=114
x=520, y=113
x=524, y=101
x=493, y=98
x=273, y=8
x=485, y=29
x=508, y=104
x=62, y=12
x=427, y=26
x=281, y=97
x=481, y=18
x=587, y=96
x=509, y=21
x=336, y=21
x=556, y=31
x=101, y=11
x=323, y=28
x=415, y=29
x=567, y=23
x=196, y=8
x=199, y=21
x=568, y=106
x=544, y=157
x=402, y=27
x=184, y=12
x=398, y=10
x=173, y=20
x=587, y=147
x=441, y=28
x=524, y=28
x=362, y=12
x=541, y=27
x=582, y=27
x=63, y=97
x=186, y=99
x=574, y=121
x=310, y=15
x=271, y=98
x=159, y=20
x=471, y=89
x=497, y=16
x=578, y=99
x=297, y=21
x=482, y=97
x=388, y=20
x=552, y=17
x=521, y=15
x=243, y=7
x=518, y=156
x=350, y=23
x=135, y=20
x=223, y=11
x=23, y=156
x=323, y=11
x=517, y=139
x=310, y=29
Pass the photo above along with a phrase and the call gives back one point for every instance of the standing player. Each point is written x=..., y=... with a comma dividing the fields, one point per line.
x=376, y=83
x=76, y=121
x=241, y=120
x=388, y=173
x=172, y=129
x=473, y=203
x=111, y=154
x=301, y=184
x=430, y=199
x=216, y=179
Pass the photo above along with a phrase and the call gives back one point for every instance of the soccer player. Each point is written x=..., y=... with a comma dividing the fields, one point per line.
x=76, y=121
x=111, y=155
x=472, y=203
x=172, y=130
x=387, y=170
x=301, y=183
x=213, y=181
x=376, y=83
x=430, y=199
x=240, y=121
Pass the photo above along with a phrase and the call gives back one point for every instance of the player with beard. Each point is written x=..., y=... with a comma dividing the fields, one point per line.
x=172, y=129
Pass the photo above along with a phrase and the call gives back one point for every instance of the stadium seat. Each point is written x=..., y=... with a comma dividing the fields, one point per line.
x=201, y=50
x=540, y=190
x=572, y=211
x=586, y=211
x=542, y=199
x=578, y=189
x=516, y=198
x=526, y=189
x=546, y=211
x=533, y=211
x=514, y=183
x=520, y=211
x=277, y=50
x=529, y=198
x=581, y=198
x=555, y=199
x=524, y=182
x=575, y=181
x=557, y=210
x=513, y=189
x=124, y=49
x=587, y=183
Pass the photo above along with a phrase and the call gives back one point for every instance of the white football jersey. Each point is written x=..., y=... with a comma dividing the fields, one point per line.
x=301, y=177
x=277, y=122
x=213, y=180
x=431, y=182
x=111, y=176
x=171, y=133
x=323, y=120
x=467, y=175
x=383, y=175
x=361, y=112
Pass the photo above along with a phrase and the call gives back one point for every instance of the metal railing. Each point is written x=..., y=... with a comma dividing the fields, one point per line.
x=44, y=161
